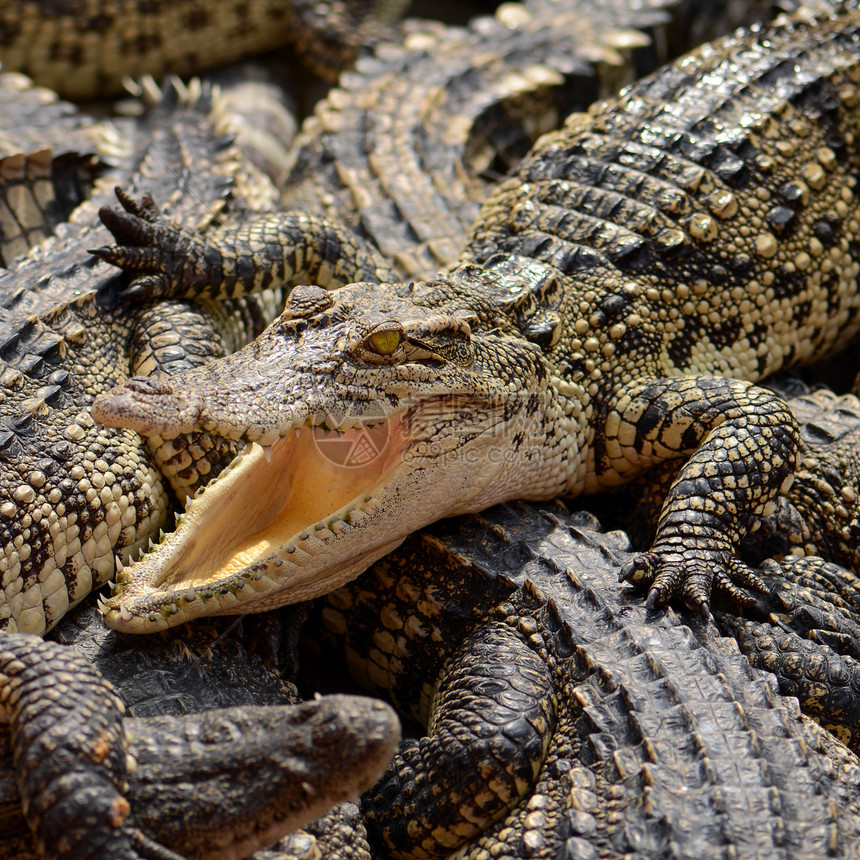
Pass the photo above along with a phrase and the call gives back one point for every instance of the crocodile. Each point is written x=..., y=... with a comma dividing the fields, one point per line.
x=523, y=53
x=431, y=610
x=566, y=719
x=406, y=148
x=94, y=782
x=617, y=298
x=86, y=50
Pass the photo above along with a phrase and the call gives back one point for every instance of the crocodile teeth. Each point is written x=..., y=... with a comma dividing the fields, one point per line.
x=118, y=565
x=267, y=451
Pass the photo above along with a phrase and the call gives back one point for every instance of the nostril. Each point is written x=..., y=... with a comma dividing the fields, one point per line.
x=148, y=385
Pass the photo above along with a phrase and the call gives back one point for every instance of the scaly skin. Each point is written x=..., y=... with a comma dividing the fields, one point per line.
x=618, y=297
x=806, y=629
x=819, y=515
x=84, y=49
x=566, y=720
x=96, y=784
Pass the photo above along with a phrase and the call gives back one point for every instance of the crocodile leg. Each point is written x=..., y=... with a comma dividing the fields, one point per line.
x=841, y=586
x=744, y=443
x=805, y=630
x=492, y=719
x=169, y=261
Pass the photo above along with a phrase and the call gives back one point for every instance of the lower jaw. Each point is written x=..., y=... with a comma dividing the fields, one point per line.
x=151, y=610
x=273, y=499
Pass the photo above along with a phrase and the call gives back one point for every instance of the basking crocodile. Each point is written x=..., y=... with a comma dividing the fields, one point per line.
x=453, y=139
x=95, y=783
x=616, y=299
x=566, y=719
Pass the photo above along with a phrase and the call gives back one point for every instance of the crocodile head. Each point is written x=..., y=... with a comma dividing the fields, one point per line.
x=367, y=414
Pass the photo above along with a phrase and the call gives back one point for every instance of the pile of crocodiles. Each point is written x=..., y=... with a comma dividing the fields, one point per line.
x=333, y=390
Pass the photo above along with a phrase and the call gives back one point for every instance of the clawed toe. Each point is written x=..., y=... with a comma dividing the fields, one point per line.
x=690, y=578
x=144, y=208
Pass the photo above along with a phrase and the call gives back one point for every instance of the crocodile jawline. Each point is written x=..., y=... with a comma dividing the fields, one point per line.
x=249, y=527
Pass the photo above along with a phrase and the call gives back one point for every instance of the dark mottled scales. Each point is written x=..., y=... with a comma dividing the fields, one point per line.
x=95, y=782
x=651, y=160
x=658, y=738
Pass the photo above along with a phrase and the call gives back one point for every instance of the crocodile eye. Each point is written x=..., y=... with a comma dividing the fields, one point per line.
x=385, y=342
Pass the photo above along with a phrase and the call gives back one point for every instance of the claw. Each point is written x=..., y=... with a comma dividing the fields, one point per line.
x=106, y=253
x=696, y=604
x=636, y=570
x=144, y=208
x=127, y=228
x=149, y=287
x=654, y=599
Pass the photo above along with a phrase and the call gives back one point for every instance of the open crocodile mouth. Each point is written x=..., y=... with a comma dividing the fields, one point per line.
x=282, y=524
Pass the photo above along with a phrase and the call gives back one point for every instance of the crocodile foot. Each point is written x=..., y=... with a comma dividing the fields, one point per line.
x=154, y=250
x=689, y=573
